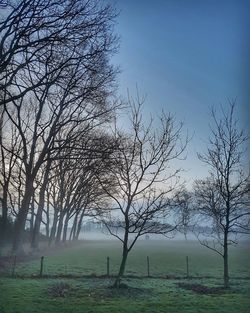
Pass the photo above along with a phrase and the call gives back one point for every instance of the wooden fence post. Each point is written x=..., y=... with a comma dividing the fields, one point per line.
x=41, y=266
x=148, y=266
x=108, y=266
x=187, y=266
x=14, y=266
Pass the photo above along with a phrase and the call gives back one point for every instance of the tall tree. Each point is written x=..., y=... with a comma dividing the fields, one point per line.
x=41, y=205
x=223, y=198
x=73, y=182
x=77, y=80
x=142, y=181
x=9, y=149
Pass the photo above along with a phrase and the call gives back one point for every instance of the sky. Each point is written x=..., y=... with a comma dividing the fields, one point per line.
x=186, y=56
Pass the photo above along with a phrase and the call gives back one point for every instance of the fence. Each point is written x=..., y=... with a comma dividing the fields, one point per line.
x=149, y=259
x=12, y=269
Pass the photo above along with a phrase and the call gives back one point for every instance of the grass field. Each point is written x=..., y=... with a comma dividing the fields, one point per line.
x=92, y=294
x=166, y=258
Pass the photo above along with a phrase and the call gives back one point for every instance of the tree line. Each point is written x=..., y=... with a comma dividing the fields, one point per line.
x=56, y=89
x=64, y=156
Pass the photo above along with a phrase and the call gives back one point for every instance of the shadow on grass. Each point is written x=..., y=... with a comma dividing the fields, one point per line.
x=64, y=290
x=201, y=289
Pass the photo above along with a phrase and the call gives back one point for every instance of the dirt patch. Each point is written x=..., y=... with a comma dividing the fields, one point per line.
x=60, y=289
x=64, y=290
x=201, y=289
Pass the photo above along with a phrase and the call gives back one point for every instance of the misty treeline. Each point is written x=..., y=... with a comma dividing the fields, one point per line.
x=64, y=158
x=56, y=97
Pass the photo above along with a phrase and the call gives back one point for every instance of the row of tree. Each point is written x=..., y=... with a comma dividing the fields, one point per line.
x=63, y=157
x=56, y=89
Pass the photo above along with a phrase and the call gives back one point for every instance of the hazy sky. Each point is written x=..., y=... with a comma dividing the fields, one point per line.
x=186, y=56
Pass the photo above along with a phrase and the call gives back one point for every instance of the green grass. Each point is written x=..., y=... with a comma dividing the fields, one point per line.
x=93, y=295
x=166, y=258
x=149, y=295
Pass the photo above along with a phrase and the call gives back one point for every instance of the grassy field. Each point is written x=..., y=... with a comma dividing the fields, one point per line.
x=92, y=294
x=166, y=258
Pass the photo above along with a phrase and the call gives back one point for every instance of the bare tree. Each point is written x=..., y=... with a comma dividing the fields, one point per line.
x=72, y=185
x=223, y=198
x=9, y=149
x=77, y=83
x=183, y=199
x=33, y=33
x=141, y=181
x=35, y=232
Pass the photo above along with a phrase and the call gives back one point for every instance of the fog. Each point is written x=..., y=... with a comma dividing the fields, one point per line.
x=99, y=235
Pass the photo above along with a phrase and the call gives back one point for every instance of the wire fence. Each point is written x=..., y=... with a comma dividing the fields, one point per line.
x=15, y=267
x=76, y=263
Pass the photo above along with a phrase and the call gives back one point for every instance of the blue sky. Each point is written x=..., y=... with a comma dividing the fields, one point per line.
x=186, y=56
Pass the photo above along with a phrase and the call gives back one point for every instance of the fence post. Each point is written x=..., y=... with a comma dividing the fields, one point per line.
x=148, y=266
x=108, y=266
x=41, y=266
x=187, y=266
x=14, y=266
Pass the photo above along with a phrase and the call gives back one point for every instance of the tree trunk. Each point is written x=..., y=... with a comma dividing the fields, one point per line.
x=32, y=216
x=59, y=229
x=19, y=226
x=53, y=228
x=65, y=229
x=122, y=266
x=4, y=219
x=225, y=259
x=47, y=216
x=124, y=259
x=73, y=229
x=36, y=230
x=79, y=226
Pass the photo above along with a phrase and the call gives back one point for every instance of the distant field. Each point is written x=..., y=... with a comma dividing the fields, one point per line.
x=149, y=295
x=167, y=257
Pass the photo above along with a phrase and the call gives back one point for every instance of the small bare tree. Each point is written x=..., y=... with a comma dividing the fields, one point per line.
x=222, y=199
x=142, y=181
